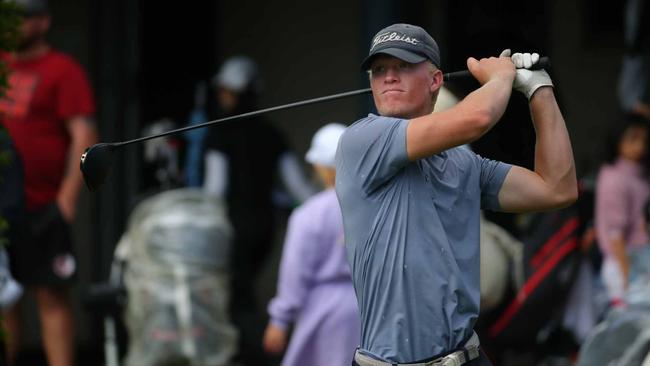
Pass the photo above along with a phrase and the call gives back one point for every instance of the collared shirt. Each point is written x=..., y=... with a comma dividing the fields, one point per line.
x=412, y=238
x=621, y=193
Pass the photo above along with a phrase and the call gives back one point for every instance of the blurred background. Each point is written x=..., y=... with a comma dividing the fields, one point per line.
x=145, y=59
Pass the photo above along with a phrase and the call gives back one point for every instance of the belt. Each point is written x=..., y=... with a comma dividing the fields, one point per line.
x=468, y=352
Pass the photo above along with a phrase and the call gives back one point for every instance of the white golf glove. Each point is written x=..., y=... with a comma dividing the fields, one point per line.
x=528, y=81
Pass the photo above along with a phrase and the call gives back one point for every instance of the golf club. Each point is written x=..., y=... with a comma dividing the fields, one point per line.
x=96, y=161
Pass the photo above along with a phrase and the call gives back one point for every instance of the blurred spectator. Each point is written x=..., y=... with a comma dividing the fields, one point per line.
x=640, y=262
x=47, y=111
x=633, y=80
x=623, y=337
x=315, y=291
x=622, y=189
x=196, y=138
x=12, y=206
x=160, y=169
x=243, y=160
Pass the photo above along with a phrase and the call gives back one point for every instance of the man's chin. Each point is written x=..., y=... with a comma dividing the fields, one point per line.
x=393, y=113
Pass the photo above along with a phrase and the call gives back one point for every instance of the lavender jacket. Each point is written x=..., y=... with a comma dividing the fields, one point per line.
x=315, y=291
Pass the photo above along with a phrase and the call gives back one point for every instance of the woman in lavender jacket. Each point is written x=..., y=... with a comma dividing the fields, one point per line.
x=315, y=292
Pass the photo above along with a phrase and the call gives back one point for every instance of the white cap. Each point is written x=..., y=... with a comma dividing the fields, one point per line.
x=238, y=73
x=324, y=144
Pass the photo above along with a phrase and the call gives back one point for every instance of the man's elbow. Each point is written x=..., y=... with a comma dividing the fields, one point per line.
x=566, y=197
x=83, y=131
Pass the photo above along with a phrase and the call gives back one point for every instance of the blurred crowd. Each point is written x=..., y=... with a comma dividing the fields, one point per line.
x=555, y=285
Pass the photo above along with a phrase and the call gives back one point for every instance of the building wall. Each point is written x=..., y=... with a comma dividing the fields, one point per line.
x=305, y=50
x=587, y=48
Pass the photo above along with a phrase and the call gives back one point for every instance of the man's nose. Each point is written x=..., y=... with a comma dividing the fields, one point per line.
x=392, y=75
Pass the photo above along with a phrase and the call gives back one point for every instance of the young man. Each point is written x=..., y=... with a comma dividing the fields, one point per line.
x=411, y=195
x=48, y=111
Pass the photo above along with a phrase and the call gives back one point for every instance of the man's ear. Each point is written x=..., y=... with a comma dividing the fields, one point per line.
x=436, y=80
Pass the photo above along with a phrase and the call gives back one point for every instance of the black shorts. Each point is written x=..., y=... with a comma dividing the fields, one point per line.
x=42, y=253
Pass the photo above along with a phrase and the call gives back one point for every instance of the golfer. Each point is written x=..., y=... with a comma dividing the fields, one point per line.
x=411, y=195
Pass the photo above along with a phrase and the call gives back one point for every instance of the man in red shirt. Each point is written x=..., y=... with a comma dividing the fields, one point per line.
x=47, y=110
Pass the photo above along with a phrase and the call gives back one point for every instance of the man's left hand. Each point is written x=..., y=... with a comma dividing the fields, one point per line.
x=528, y=81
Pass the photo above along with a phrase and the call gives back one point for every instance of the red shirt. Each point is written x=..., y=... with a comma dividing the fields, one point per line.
x=43, y=94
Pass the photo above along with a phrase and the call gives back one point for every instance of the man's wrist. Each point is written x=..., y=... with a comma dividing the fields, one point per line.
x=506, y=77
x=501, y=80
x=542, y=92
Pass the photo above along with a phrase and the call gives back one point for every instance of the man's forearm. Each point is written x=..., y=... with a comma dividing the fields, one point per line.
x=464, y=123
x=72, y=180
x=83, y=135
x=493, y=97
x=553, y=153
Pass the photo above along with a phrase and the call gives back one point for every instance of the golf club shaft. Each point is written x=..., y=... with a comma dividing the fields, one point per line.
x=250, y=114
x=543, y=62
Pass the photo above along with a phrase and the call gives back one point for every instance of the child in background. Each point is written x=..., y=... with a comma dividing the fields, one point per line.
x=622, y=188
x=315, y=291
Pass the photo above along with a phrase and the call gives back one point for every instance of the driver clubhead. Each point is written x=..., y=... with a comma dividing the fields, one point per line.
x=95, y=164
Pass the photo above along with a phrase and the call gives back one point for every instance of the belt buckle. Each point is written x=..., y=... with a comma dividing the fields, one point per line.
x=451, y=360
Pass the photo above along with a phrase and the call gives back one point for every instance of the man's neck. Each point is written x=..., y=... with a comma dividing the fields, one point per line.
x=33, y=52
x=411, y=115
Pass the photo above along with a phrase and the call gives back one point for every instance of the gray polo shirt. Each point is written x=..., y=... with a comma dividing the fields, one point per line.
x=412, y=237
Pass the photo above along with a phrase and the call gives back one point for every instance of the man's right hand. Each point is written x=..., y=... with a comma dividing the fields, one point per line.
x=490, y=68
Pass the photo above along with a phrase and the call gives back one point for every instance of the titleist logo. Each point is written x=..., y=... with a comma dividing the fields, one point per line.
x=393, y=36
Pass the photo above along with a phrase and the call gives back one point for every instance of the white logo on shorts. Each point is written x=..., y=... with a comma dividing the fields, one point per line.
x=64, y=265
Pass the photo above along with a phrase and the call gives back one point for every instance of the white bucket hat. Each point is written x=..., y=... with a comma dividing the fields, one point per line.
x=324, y=144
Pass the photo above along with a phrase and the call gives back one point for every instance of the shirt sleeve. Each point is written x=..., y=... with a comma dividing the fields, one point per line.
x=611, y=210
x=74, y=94
x=373, y=150
x=297, y=268
x=493, y=173
x=294, y=178
x=216, y=173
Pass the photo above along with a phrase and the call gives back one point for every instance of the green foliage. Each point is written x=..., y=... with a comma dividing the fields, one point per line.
x=4, y=228
x=9, y=21
x=5, y=156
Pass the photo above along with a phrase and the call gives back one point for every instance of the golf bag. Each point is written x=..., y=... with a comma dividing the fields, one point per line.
x=534, y=300
x=171, y=270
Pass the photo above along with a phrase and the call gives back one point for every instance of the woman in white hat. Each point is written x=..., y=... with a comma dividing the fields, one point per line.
x=315, y=292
